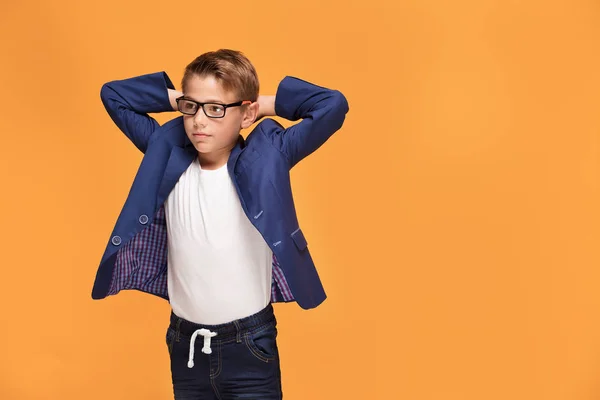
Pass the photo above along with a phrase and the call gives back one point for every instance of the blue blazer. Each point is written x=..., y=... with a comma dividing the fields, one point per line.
x=259, y=166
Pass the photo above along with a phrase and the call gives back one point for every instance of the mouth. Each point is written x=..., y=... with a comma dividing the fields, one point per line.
x=200, y=135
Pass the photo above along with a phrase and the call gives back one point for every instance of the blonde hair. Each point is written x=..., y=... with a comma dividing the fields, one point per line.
x=230, y=68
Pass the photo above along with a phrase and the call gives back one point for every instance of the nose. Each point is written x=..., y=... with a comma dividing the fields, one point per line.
x=200, y=118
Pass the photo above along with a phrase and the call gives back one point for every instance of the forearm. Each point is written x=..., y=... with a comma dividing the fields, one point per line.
x=174, y=94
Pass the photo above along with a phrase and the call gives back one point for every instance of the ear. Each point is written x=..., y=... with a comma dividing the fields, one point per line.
x=250, y=115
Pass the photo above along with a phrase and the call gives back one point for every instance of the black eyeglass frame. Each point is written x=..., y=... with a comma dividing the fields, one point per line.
x=201, y=105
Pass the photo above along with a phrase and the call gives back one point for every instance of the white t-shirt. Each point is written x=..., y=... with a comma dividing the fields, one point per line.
x=219, y=265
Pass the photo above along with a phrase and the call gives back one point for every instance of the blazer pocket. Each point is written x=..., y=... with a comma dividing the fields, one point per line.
x=299, y=239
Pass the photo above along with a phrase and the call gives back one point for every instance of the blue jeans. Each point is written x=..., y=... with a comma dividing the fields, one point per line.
x=240, y=362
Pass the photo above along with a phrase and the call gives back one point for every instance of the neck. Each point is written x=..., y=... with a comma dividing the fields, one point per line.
x=215, y=159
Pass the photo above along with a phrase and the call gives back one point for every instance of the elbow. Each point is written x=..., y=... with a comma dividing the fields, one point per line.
x=110, y=98
x=340, y=109
x=106, y=93
x=342, y=102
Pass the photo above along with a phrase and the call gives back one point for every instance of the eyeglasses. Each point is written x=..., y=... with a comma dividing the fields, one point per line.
x=211, y=110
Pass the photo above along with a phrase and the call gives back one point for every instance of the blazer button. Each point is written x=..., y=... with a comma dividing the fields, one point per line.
x=116, y=240
x=143, y=219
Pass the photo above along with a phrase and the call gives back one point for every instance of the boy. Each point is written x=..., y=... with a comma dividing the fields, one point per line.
x=209, y=223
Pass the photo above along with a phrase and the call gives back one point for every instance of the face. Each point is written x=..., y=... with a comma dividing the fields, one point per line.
x=215, y=135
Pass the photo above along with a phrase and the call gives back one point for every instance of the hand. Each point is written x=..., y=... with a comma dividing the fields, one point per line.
x=174, y=94
x=266, y=107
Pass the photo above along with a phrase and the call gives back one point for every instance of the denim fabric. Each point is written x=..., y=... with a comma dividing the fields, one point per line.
x=244, y=363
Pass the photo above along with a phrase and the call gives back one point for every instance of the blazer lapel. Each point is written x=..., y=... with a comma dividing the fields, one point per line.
x=231, y=164
x=233, y=157
x=182, y=155
x=179, y=161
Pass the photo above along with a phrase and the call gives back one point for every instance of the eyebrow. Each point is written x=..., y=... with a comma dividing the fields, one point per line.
x=207, y=101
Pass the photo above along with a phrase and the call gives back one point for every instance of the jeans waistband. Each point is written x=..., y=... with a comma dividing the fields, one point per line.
x=226, y=330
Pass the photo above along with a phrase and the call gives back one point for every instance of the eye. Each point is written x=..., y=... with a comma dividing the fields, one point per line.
x=215, y=108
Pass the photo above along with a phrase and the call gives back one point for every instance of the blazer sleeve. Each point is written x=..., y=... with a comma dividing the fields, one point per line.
x=322, y=112
x=128, y=102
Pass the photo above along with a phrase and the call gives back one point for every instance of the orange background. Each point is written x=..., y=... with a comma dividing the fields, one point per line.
x=454, y=218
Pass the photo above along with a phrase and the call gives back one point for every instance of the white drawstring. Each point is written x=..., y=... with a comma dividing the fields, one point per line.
x=205, y=348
